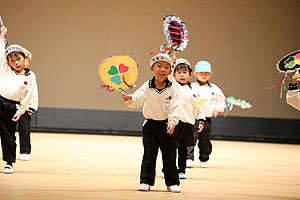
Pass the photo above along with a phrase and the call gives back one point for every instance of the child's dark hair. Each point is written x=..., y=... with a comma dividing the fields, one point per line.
x=182, y=66
x=15, y=53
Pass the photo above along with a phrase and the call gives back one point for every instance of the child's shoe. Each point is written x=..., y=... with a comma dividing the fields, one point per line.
x=8, y=169
x=190, y=163
x=204, y=164
x=25, y=157
x=182, y=176
x=174, y=188
x=144, y=187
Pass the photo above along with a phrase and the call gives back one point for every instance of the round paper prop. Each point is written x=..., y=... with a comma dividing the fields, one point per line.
x=290, y=62
x=176, y=32
x=118, y=72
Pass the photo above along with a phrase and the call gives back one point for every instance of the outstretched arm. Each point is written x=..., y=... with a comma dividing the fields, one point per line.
x=3, y=32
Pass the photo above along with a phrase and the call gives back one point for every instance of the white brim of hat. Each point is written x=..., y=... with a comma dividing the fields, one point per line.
x=203, y=69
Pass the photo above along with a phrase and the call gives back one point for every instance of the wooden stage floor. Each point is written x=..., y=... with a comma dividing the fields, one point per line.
x=77, y=166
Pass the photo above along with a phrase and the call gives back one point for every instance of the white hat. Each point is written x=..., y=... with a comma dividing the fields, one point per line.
x=15, y=47
x=160, y=57
x=182, y=61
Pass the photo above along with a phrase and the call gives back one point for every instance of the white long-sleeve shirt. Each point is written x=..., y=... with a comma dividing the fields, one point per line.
x=188, y=105
x=34, y=101
x=157, y=105
x=210, y=97
x=15, y=86
x=293, y=98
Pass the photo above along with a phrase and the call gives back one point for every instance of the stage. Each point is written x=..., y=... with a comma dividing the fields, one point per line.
x=85, y=166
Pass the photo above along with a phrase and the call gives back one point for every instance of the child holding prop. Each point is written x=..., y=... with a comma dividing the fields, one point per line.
x=213, y=101
x=160, y=109
x=293, y=94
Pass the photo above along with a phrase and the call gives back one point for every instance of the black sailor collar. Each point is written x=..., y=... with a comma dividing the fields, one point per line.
x=152, y=83
x=188, y=83
x=201, y=84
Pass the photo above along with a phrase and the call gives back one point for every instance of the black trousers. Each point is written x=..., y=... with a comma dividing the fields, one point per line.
x=8, y=129
x=184, y=138
x=155, y=137
x=204, y=144
x=24, y=133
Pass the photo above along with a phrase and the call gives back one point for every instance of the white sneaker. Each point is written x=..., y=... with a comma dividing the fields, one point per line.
x=8, y=169
x=190, y=163
x=174, y=188
x=25, y=157
x=204, y=164
x=182, y=176
x=144, y=187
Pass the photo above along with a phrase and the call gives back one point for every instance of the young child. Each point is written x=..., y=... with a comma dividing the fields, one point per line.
x=189, y=111
x=160, y=109
x=25, y=119
x=213, y=102
x=293, y=94
x=16, y=88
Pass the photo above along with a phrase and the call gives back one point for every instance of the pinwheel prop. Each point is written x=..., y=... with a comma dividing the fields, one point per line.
x=287, y=64
x=231, y=101
x=176, y=35
x=118, y=73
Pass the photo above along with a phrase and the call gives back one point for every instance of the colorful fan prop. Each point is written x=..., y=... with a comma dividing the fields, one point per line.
x=118, y=73
x=288, y=64
x=176, y=35
x=230, y=101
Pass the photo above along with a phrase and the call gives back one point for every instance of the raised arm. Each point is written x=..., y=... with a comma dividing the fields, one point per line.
x=3, y=31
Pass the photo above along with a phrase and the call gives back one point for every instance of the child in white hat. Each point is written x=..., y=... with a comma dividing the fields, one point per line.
x=213, y=101
x=24, y=123
x=16, y=88
x=160, y=108
x=189, y=111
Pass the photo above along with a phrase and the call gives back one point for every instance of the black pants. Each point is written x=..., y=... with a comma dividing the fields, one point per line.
x=155, y=136
x=8, y=129
x=184, y=138
x=24, y=133
x=204, y=144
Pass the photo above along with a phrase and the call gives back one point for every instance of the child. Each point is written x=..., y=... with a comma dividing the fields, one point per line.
x=160, y=109
x=25, y=119
x=16, y=87
x=293, y=94
x=213, y=102
x=189, y=111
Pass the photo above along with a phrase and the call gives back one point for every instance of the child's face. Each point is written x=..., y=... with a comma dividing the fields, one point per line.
x=161, y=70
x=182, y=75
x=17, y=62
x=203, y=76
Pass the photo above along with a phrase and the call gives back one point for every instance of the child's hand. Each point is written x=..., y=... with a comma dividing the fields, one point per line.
x=296, y=78
x=173, y=57
x=200, y=128
x=215, y=113
x=126, y=97
x=16, y=117
x=170, y=128
x=3, y=31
